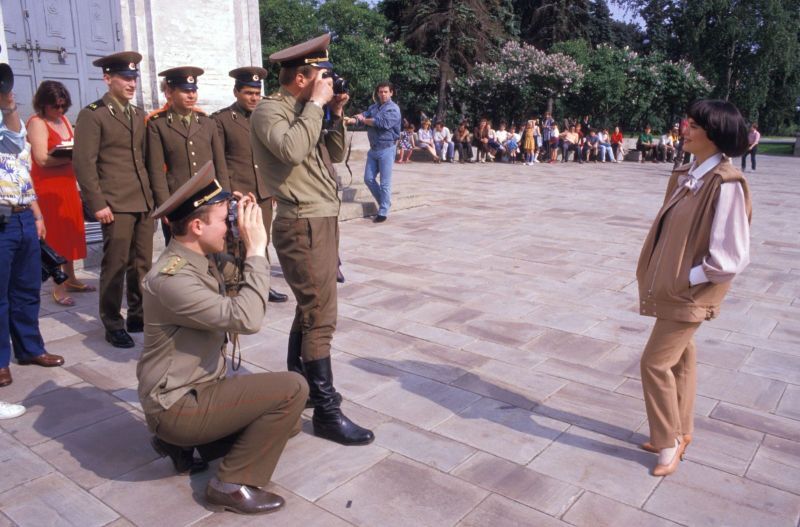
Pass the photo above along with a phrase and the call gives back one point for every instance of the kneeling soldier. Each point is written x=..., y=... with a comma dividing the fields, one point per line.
x=186, y=397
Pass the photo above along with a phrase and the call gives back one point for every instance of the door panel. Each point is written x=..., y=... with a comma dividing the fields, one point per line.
x=20, y=54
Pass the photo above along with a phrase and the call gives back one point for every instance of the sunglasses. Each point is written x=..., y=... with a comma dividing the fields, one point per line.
x=62, y=106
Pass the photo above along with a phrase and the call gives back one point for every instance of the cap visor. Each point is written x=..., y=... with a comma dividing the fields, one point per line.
x=323, y=65
x=222, y=196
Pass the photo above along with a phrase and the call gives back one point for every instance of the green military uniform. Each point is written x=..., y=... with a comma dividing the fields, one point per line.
x=178, y=145
x=186, y=397
x=233, y=126
x=108, y=158
x=295, y=159
x=287, y=146
x=176, y=150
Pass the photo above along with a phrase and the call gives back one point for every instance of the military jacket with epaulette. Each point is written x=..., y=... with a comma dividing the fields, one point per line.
x=109, y=158
x=233, y=125
x=176, y=152
x=287, y=136
x=186, y=318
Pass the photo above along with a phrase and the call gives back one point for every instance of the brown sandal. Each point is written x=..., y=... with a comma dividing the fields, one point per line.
x=67, y=301
x=73, y=287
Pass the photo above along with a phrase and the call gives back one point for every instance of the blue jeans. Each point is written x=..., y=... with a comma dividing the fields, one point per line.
x=380, y=162
x=439, y=145
x=20, y=285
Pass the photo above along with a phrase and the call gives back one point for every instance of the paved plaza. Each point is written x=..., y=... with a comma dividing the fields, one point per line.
x=491, y=339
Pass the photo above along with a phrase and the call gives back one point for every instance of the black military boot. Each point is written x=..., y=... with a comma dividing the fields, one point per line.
x=329, y=421
x=294, y=360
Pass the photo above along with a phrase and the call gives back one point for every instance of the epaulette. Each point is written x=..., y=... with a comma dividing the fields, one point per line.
x=99, y=103
x=173, y=265
x=201, y=113
x=277, y=96
x=218, y=112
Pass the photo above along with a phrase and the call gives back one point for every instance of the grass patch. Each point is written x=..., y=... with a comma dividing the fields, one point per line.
x=776, y=149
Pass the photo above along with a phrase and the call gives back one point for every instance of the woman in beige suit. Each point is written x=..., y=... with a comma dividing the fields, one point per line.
x=699, y=241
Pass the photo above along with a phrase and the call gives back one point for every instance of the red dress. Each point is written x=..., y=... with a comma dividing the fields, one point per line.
x=58, y=198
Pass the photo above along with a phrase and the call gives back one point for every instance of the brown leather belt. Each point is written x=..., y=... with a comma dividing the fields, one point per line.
x=19, y=208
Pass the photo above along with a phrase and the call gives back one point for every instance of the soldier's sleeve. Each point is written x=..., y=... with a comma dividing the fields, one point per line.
x=156, y=166
x=218, y=151
x=334, y=140
x=291, y=141
x=192, y=304
x=84, y=159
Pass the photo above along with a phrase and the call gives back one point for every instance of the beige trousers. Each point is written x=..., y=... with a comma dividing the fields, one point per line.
x=256, y=414
x=669, y=380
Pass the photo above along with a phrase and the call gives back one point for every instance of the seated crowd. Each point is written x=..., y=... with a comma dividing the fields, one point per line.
x=535, y=141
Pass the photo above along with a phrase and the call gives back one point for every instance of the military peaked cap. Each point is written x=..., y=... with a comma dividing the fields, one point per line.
x=183, y=77
x=313, y=52
x=124, y=63
x=249, y=76
x=201, y=189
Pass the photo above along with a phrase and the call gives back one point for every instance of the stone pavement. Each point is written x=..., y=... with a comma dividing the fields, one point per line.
x=491, y=339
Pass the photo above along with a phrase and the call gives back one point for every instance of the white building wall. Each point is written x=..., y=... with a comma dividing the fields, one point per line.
x=216, y=35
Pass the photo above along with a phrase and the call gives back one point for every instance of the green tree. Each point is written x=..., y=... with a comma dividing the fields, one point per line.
x=749, y=50
x=285, y=23
x=518, y=84
x=457, y=34
x=545, y=22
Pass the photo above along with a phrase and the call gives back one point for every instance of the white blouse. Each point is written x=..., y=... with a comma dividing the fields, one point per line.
x=729, y=243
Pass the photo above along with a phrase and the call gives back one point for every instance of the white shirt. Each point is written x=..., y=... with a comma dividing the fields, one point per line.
x=501, y=136
x=729, y=242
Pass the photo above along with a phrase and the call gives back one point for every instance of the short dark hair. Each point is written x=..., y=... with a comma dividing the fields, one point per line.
x=723, y=124
x=48, y=94
x=181, y=227
x=287, y=75
x=384, y=84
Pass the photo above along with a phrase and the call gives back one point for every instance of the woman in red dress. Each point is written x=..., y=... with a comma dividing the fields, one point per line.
x=55, y=184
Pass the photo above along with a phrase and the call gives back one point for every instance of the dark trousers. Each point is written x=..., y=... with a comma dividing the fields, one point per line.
x=127, y=256
x=464, y=149
x=20, y=285
x=307, y=250
x=256, y=413
x=752, y=158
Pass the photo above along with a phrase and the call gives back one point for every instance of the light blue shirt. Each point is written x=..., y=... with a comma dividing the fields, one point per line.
x=12, y=142
x=386, y=127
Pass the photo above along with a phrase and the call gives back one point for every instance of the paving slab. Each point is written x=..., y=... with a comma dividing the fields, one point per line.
x=54, y=500
x=498, y=511
x=502, y=429
x=400, y=492
x=699, y=495
x=594, y=510
x=601, y=464
x=519, y=483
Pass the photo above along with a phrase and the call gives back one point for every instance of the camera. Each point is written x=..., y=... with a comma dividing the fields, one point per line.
x=233, y=218
x=340, y=84
x=51, y=264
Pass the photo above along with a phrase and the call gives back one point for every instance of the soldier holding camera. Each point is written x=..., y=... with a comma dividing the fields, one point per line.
x=295, y=155
x=21, y=227
x=187, y=399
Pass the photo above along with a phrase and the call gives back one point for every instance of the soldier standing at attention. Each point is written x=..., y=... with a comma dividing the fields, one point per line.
x=186, y=397
x=108, y=158
x=181, y=139
x=294, y=155
x=233, y=124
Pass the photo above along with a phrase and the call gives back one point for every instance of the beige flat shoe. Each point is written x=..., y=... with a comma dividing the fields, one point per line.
x=672, y=466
